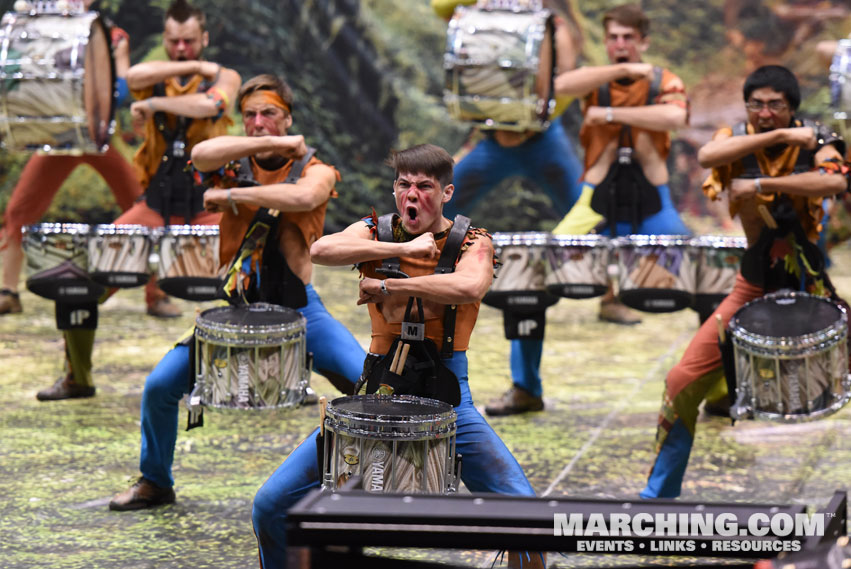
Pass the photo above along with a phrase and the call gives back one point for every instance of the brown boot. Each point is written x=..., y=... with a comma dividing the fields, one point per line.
x=143, y=494
x=10, y=302
x=618, y=313
x=65, y=388
x=516, y=400
x=163, y=308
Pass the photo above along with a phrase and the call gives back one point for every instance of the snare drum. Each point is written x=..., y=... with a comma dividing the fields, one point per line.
x=791, y=358
x=188, y=261
x=57, y=259
x=840, y=79
x=118, y=255
x=519, y=283
x=656, y=273
x=396, y=443
x=578, y=265
x=499, y=68
x=57, y=79
x=717, y=259
x=250, y=357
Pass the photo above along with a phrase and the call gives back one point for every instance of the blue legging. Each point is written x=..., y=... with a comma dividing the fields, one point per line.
x=487, y=466
x=547, y=159
x=334, y=349
x=526, y=354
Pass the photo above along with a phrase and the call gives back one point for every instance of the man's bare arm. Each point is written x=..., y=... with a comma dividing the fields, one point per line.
x=308, y=193
x=661, y=117
x=809, y=184
x=725, y=148
x=213, y=153
x=579, y=82
x=355, y=244
x=149, y=73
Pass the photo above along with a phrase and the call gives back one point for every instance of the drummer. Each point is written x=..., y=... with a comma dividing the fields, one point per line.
x=189, y=98
x=423, y=185
x=645, y=103
x=267, y=156
x=772, y=160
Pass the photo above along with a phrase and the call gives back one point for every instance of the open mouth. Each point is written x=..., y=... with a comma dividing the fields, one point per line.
x=412, y=213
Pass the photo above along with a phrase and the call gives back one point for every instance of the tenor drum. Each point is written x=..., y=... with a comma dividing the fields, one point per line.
x=57, y=262
x=57, y=80
x=118, y=255
x=840, y=79
x=396, y=443
x=499, y=68
x=519, y=283
x=578, y=265
x=717, y=258
x=656, y=273
x=791, y=358
x=250, y=357
x=188, y=261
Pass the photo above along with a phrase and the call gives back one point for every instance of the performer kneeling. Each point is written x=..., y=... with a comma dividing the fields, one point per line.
x=414, y=278
x=268, y=160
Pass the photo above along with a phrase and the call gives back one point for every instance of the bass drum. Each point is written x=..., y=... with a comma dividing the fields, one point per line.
x=57, y=81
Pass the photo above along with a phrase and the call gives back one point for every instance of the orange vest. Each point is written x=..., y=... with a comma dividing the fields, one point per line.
x=233, y=227
x=150, y=153
x=384, y=332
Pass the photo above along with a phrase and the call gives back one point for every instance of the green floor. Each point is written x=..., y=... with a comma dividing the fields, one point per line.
x=60, y=462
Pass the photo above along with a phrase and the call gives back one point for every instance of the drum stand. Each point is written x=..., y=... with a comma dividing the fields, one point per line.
x=327, y=529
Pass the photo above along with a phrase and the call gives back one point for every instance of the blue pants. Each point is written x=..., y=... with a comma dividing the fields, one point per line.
x=547, y=159
x=526, y=354
x=334, y=349
x=487, y=466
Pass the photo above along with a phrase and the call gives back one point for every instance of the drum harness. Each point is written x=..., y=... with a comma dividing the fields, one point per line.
x=275, y=281
x=625, y=194
x=758, y=267
x=172, y=187
x=413, y=365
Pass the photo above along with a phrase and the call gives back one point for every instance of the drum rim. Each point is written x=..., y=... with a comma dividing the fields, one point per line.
x=52, y=227
x=121, y=229
x=180, y=230
x=592, y=240
x=640, y=240
x=509, y=239
x=719, y=242
x=217, y=331
x=391, y=427
x=759, y=344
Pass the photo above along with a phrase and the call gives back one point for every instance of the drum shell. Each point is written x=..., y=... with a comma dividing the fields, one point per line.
x=578, y=265
x=790, y=378
x=232, y=357
x=188, y=261
x=718, y=260
x=656, y=273
x=57, y=83
x=499, y=68
x=355, y=442
x=56, y=262
x=519, y=284
x=119, y=255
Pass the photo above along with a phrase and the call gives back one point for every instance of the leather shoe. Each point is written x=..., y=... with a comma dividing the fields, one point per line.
x=65, y=388
x=163, y=308
x=717, y=408
x=310, y=396
x=143, y=494
x=618, y=313
x=516, y=400
x=10, y=302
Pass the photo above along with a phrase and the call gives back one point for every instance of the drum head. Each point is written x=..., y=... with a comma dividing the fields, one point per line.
x=99, y=84
x=788, y=315
x=258, y=315
x=397, y=408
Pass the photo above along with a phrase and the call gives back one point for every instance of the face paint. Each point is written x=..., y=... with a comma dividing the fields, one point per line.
x=264, y=113
x=183, y=41
x=419, y=200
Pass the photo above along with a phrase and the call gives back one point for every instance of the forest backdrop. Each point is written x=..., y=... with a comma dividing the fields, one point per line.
x=368, y=77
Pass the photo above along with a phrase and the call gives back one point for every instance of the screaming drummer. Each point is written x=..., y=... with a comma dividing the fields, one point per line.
x=272, y=193
x=423, y=279
x=777, y=170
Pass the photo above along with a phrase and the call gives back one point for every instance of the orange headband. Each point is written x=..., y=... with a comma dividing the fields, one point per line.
x=264, y=96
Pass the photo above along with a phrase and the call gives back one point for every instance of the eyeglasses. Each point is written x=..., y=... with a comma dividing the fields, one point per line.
x=773, y=106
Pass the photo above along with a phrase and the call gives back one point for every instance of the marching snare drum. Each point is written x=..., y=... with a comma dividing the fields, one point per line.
x=396, y=443
x=717, y=258
x=519, y=283
x=840, y=79
x=578, y=265
x=250, y=357
x=656, y=273
x=791, y=358
x=499, y=68
x=57, y=80
x=188, y=261
x=57, y=262
x=118, y=255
